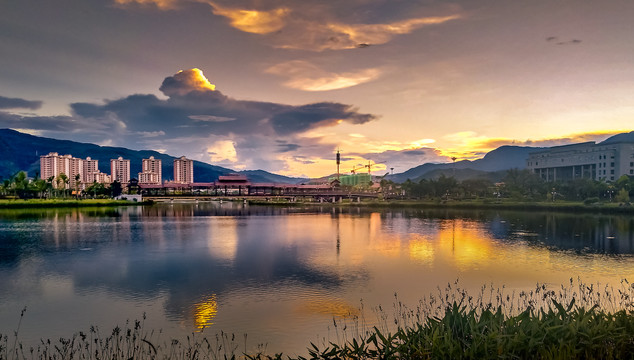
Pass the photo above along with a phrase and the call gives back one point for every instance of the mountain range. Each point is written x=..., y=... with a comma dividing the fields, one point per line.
x=19, y=151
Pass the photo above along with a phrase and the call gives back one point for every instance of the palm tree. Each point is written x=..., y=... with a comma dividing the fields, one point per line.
x=62, y=180
x=49, y=182
x=77, y=183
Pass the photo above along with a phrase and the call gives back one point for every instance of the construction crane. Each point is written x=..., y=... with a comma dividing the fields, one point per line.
x=370, y=165
x=355, y=169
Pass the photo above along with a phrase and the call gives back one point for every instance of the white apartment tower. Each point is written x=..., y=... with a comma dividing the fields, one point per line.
x=120, y=170
x=151, y=171
x=183, y=170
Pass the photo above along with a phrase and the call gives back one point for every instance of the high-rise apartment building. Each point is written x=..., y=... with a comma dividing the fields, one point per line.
x=120, y=170
x=54, y=165
x=92, y=173
x=90, y=166
x=183, y=170
x=151, y=171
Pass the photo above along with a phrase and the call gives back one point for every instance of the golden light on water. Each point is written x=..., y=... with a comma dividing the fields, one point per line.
x=205, y=312
x=329, y=307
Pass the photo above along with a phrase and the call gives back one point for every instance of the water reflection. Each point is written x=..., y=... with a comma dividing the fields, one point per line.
x=271, y=270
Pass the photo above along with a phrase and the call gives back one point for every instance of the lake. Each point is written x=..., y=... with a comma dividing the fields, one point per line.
x=280, y=275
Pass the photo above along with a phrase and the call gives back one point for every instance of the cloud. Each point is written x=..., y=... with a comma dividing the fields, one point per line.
x=161, y=4
x=317, y=25
x=210, y=118
x=190, y=94
x=284, y=146
x=201, y=122
x=305, y=76
x=17, y=103
x=355, y=35
x=250, y=20
x=222, y=151
x=597, y=136
x=186, y=81
x=306, y=117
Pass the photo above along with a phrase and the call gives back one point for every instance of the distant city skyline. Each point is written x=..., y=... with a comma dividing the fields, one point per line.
x=281, y=85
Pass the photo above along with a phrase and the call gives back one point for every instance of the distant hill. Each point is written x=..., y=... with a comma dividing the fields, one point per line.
x=463, y=174
x=503, y=158
x=624, y=137
x=21, y=152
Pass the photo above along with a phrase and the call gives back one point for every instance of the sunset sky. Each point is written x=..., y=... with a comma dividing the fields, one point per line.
x=279, y=85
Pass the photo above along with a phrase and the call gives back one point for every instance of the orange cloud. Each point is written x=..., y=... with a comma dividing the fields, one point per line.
x=308, y=77
x=186, y=81
x=468, y=145
x=161, y=4
x=252, y=21
x=381, y=33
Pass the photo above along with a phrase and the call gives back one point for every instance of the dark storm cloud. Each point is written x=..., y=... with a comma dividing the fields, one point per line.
x=191, y=98
x=17, y=103
x=301, y=118
x=44, y=123
x=283, y=146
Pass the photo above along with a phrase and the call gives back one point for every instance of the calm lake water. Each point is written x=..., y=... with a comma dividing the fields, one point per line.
x=278, y=274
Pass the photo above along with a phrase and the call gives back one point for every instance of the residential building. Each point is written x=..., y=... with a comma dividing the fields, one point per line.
x=183, y=170
x=120, y=170
x=603, y=161
x=96, y=176
x=151, y=171
x=54, y=165
x=90, y=166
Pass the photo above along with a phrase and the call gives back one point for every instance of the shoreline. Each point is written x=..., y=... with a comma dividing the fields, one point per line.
x=71, y=203
x=559, y=206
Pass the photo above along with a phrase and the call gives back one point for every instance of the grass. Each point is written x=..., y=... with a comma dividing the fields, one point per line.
x=575, y=321
x=56, y=203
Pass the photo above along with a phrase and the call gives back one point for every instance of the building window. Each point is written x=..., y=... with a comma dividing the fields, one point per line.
x=536, y=163
x=631, y=171
x=612, y=164
x=631, y=164
x=612, y=171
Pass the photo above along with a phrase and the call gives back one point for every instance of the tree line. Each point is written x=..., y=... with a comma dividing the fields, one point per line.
x=20, y=186
x=521, y=185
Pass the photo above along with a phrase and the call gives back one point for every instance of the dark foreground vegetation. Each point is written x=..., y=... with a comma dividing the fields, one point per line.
x=576, y=322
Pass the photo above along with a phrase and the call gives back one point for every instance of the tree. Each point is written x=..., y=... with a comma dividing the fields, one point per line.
x=77, y=184
x=623, y=196
x=62, y=181
x=115, y=188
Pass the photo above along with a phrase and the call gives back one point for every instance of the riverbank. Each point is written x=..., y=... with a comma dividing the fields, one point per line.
x=65, y=203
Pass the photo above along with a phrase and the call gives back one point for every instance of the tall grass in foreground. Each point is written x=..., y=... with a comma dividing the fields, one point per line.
x=573, y=321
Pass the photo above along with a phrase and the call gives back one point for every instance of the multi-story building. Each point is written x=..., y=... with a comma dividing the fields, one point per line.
x=151, y=171
x=90, y=166
x=603, y=161
x=92, y=173
x=96, y=176
x=120, y=170
x=183, y=170
x=54, y=165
